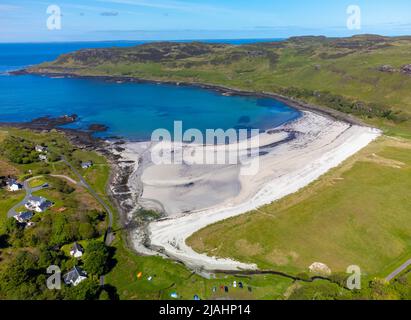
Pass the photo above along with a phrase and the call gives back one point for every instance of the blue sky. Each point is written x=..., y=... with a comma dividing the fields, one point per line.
x=83, y=20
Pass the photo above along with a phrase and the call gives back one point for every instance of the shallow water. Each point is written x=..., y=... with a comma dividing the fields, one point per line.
x=130, y=110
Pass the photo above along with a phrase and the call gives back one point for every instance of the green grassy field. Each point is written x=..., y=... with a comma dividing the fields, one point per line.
x=358, y=214
x=7, y=200
x=168, y=277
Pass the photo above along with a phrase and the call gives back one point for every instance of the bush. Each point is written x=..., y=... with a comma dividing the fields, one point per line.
x=340, y=103
x=19, y=151
x=62, y=186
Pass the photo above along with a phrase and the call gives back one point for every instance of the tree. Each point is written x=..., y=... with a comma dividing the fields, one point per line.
x=16, y=280
x=86, y=231
x=62, y=186
x=96, y=258
x=104, y=295
x=4, y=241
x=88, y=289
x=15, y=232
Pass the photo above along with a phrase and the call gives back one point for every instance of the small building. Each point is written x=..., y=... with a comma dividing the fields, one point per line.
x=43, y=157
x=13, y=185
x=24, y=217
x=75, y=276
x=38, y=204
x=77, y=250
x=41, y=149
x=86, y=164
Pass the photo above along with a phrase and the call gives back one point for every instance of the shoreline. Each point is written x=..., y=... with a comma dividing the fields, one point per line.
x=320, y=145
x=167, y=236
x=224, y=90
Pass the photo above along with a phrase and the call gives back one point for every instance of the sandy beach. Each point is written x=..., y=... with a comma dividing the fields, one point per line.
x=195, y=196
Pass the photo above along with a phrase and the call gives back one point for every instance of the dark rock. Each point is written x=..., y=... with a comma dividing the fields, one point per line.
x=406, y=69
x=387, y=68
x=97, y=127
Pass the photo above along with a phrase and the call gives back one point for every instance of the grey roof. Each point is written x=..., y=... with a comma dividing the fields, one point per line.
x=36, y=199
x=11, y=182
x=25, y=216
x=87, y=164
x=77, y=247
x=73, y=275
x=45, y=205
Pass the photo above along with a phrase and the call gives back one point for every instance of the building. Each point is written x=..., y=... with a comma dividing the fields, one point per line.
x=38, y=204
x=75, y=276
x=77, y=250
x=87, y=164
x=43, y=157
x=41, y=149
x=24, y=217
x=13, y=185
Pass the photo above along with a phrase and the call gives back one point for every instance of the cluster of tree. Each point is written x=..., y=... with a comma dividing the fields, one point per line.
x=97, y=258
x=19, y=150
x=340, y=103
x=61, y=185
x=25, y=278
x=55, y=230
x=53, y=157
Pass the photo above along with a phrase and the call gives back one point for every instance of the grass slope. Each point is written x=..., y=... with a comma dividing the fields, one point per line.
x=358, y=214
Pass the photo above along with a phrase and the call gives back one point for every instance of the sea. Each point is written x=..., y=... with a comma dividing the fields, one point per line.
x=129, y=110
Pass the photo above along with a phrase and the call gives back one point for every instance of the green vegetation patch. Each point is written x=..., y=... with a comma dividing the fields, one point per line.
x=355, y=215
x=131, y=277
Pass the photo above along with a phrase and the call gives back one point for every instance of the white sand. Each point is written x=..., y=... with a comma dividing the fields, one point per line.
x=197, y=196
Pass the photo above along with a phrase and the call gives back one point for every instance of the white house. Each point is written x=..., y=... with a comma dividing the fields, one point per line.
x=13, y=185
x=77, y=250
x=87, y=164
x=38, y=204
x=41, y=149
x=43, y=157
x=75, y=276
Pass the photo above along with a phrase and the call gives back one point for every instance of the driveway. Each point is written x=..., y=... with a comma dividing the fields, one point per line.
x=29, y=191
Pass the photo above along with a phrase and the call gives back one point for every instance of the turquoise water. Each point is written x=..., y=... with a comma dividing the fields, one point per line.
x=129, y=110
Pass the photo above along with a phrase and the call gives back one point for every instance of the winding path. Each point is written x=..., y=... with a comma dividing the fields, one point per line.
x=83, y=182
x=109, y=234
x=399, y=270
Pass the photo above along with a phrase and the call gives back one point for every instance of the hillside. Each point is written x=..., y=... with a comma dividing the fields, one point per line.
x=368, y=76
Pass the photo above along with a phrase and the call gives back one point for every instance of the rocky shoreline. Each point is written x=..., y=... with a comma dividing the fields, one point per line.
x=126, y=200
x=117, y=188
x=297, y=104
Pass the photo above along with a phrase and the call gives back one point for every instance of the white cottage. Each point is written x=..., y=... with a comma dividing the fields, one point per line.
x=75, y=276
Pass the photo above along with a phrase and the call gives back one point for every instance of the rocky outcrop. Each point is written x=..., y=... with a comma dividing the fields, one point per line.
x=387, y=68
x=406, y=69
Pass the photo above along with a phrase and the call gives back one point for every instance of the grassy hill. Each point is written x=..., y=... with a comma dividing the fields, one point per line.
x=367, y=75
